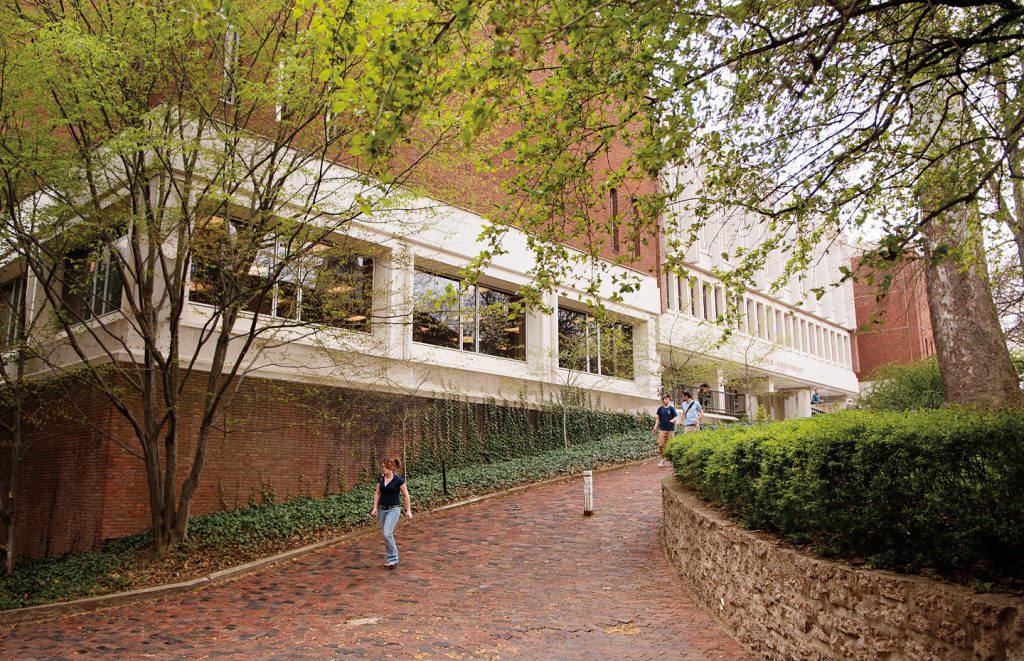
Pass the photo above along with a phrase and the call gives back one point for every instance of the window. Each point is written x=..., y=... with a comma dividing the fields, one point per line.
x=613, y=205
x=636, y=228
x=11, y=295
x=475, y=318
x=325, y=285
x=598, y=348
x=337, y=291
x=92, y=284
x=694, y=297
x=229, y=88
x=221, y=251
x=616, y=356
x=709, y=302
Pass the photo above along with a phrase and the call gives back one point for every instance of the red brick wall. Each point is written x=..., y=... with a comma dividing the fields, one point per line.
x=453, y=178
x=898, y=328
x=63, y=469
x=82, y=482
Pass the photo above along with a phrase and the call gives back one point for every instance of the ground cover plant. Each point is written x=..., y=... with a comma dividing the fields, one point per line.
x=927, y=491
x=223, y=539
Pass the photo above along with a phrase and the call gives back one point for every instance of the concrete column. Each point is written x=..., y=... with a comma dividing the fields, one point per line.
x=751, y=407
x=798, y=404
x=393, y=282
x=542, y=339
x=646, y=361
x=719, y=398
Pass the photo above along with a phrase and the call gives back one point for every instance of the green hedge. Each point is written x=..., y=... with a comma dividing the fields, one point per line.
x=246, y=530
x=905, y=387
x=927, y=490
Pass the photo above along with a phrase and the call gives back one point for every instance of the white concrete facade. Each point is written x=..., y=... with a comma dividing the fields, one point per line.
x=794, y=339
x=800, y=342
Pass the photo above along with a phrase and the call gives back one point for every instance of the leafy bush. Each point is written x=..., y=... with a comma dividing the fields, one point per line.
x=940, y=490
x=236, y=533
x=905, y=387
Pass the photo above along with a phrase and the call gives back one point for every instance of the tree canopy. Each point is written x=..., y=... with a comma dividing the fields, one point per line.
x=813, y=117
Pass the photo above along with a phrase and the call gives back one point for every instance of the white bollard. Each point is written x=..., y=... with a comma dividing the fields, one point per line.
x=588, y=493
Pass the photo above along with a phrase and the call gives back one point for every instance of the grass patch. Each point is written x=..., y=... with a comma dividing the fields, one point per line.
x=223, y=539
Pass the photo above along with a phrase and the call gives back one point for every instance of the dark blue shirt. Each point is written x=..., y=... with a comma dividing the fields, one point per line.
x=389, y=493
x=665, y=416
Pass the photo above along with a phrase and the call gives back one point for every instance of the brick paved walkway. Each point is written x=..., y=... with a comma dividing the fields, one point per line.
x=524, y=577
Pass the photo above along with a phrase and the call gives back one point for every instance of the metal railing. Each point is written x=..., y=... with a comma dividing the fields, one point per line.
x=719, y=402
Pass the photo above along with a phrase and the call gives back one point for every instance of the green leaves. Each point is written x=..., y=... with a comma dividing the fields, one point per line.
x=905, y=387
x=935, y=490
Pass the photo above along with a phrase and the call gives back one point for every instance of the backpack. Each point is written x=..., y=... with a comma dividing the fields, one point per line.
x=687, y=413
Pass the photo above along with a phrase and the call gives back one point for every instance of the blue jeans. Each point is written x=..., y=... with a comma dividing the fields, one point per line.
x=388, y=520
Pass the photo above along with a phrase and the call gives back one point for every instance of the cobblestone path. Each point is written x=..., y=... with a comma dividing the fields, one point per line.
x=519, y=577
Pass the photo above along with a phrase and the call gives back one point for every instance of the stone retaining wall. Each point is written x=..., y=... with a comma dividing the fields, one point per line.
x=786, y=604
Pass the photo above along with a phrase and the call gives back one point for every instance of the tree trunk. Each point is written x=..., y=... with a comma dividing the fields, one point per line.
x=973, y=358
x=565, y=425
x=12, y=514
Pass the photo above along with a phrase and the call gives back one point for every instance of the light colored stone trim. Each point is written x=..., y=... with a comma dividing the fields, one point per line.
x=786, y=604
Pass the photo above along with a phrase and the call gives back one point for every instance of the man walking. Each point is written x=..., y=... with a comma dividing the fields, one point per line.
x=666, y=425
x=693, y=413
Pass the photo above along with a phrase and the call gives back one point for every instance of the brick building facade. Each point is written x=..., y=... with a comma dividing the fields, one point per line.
x=306, y=422
x=897, y=328
x=83, y=482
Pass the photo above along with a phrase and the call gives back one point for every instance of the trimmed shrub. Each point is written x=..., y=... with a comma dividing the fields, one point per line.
x=935, y=490
x=905, y=387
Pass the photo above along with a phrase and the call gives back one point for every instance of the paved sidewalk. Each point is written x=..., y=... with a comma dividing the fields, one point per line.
x=519, y=577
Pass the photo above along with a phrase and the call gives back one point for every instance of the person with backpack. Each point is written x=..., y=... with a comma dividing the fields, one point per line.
x=693, y=413
x=665, y=426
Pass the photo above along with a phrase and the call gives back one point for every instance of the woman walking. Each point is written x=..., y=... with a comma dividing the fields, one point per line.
x=387, y=506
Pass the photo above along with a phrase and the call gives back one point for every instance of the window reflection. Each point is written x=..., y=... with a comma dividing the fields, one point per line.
x=475, y=318
x=322, y=284
x=12, y=294
x=586, y=345
x=92, y=283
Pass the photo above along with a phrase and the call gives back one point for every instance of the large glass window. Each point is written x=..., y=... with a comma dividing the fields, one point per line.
x=577, y=341
x=92, y=283
x=11, y=295
x=325, y=284
x=338, y=292
x=477, y=318
x=599, y=348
